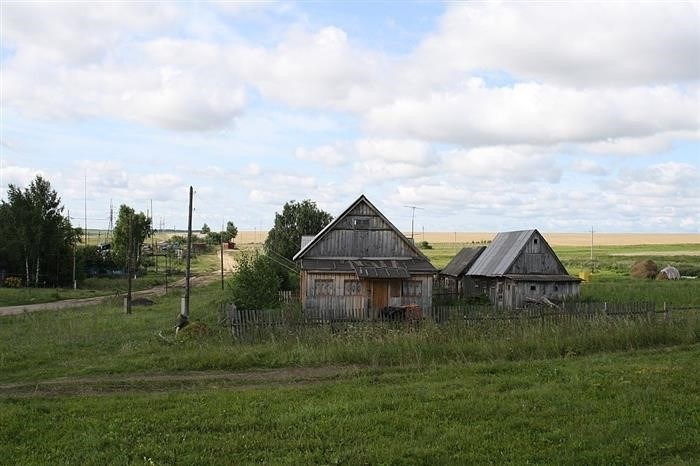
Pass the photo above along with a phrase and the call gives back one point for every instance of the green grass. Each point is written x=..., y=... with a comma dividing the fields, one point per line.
x=637, y=408
x=103, y=340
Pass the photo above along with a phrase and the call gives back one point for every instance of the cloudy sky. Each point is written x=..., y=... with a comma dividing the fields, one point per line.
x=487, y=116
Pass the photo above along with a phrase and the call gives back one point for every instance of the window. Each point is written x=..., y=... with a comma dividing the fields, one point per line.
x=535, y=240
x=361, y=223
x=556, y=288
x=413, y=288
x=353, y=288
x=324, y=287
x=533, y=287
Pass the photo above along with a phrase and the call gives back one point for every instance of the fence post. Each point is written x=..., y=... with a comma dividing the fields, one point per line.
x=667, y=312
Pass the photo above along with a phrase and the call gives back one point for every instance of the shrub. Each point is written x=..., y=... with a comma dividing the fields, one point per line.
x=255, y=285
x=425, y=245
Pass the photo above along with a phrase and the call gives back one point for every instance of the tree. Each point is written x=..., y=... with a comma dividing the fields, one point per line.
x=34, y=235
x=217, y=237
x=255, y=285
x=297, y=219
x=205, y=229
x=230, y=233
x=140, y=229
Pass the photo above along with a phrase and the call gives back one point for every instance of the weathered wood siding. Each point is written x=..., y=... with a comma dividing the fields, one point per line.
x=505, y=293
x=335, y=285
x=537, y=258
x=371, y=237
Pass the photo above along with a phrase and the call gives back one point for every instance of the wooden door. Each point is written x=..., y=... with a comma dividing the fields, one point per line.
x=380, y=294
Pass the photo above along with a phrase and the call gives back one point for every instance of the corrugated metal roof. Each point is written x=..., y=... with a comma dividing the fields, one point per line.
x=461, y=262
x=500, y=254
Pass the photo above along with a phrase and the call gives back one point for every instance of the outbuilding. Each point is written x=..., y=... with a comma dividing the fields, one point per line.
x=520, y=267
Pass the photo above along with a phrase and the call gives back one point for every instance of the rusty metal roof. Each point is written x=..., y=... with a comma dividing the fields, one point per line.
x=461, y=262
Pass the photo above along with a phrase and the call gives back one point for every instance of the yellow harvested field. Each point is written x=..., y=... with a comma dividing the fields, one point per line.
x=555, y=239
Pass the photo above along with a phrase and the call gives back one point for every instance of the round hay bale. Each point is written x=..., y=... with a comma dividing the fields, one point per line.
x=669, y=273
x=644, y=269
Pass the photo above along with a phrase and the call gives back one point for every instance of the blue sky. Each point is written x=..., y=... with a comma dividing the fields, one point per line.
x=489, y=116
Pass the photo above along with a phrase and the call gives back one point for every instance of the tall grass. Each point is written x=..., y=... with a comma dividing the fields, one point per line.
x=103, y=340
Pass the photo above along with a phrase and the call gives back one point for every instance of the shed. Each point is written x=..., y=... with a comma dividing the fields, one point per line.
x=360, y=264
x=519, y=266
x=454, y=274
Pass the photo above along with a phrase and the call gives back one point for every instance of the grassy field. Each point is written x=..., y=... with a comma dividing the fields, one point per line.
x=96, y=386
x=635, y=408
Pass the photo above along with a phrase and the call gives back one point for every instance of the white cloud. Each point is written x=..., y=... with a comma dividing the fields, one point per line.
x=584, y=43
x=329, y=155
x=589, y=167
x=516, y=164
x=537, y=114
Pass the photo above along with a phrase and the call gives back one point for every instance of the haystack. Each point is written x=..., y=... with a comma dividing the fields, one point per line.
x=669, y=273
x=644, y=269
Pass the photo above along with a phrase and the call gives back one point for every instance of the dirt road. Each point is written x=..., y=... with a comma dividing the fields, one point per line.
x=149, y=383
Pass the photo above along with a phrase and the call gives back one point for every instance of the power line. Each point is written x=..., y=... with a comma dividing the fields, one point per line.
x=413, y=215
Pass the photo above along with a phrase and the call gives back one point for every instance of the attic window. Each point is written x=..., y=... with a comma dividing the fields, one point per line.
x=361, y=223
x=535, y=240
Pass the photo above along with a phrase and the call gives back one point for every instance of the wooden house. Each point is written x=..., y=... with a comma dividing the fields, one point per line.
x=361, y=264
x=453, y=276
x=519, y=267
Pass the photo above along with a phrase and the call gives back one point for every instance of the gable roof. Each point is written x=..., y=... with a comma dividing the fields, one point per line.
x=500, y=255
x=362, y=199
x=461, y=262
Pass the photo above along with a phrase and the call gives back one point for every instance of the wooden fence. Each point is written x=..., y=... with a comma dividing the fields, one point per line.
x=258, y=323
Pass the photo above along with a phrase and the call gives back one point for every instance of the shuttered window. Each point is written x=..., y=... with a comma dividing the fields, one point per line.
x=353, y=287
x=324, y=287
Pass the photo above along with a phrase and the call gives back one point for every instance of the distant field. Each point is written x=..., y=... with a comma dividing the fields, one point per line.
x=555, y=239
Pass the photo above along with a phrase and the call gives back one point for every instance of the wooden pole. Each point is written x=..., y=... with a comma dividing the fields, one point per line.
x=221, y=242
x=185, y=310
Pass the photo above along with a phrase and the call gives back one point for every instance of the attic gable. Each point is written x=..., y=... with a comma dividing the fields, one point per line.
x=361, y=231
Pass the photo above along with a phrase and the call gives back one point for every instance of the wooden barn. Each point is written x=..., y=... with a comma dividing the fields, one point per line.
x=360, y=265
x=519, y=267
x=453, y=276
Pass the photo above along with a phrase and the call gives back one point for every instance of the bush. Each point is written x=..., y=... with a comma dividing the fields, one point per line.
x=425, y=245
x=255, y=285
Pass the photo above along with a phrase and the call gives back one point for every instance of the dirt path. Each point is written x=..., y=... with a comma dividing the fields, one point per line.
x=196, y=280
x=149, y=383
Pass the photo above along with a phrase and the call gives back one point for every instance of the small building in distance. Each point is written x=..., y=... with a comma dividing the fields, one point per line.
x=454, y=274
x=361, y=264
x=520, y=267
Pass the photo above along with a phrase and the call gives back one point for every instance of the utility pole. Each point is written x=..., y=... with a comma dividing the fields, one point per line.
x=221, y=243
x=185, y=307
x=87, y=236
x=413, y=215
x=75, y=240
